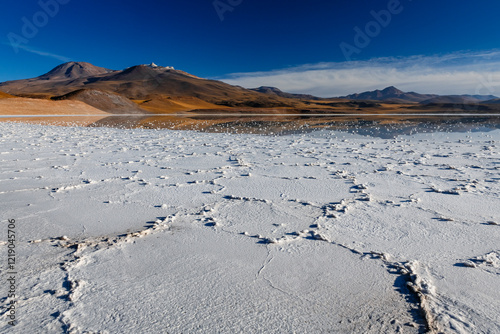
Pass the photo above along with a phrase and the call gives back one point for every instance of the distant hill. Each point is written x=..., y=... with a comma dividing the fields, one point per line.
x=278, y=92
x=492, y=101
x=390, y=94
x=483, y=98
x=459, y=99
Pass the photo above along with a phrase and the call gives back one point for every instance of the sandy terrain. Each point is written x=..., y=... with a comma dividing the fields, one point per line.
x=168, y=104
x=162, y=104
x=5, y=95
x=25, y=106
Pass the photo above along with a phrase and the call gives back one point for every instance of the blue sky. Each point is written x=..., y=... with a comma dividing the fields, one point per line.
x=300, y=46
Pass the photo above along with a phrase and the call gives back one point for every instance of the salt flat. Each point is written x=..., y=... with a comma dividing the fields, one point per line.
x=159, y=231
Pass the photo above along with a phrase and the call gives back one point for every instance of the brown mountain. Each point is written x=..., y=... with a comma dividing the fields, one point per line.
x=142, y=82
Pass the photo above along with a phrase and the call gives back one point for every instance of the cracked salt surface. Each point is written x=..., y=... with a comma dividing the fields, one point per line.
x=151, y=231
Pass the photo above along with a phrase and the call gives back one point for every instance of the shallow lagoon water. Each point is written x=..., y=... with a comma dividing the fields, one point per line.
x=379, y=126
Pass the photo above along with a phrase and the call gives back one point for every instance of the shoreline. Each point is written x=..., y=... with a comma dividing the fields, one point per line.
x=258, y=115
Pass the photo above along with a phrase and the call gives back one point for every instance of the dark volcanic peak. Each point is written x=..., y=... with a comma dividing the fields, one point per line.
x=74, y=70
x=390, y=94
x=268, y=90
x=392, y=91
x=278, y=92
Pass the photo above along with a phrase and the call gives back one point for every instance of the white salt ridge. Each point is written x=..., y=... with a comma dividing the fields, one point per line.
x=489, y=262
x=152, y=231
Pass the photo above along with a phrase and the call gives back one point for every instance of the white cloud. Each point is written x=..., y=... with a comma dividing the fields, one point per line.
x=456, y=73
x=42, y=53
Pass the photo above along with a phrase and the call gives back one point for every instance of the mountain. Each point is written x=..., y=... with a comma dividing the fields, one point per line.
x=460, y=99
x=278, y=92
x=141, y=82
x=390, y=94
x=161, y=89
x=74, y=70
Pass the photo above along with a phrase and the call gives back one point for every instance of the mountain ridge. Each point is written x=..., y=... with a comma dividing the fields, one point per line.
x=276, y=91
x=392, y=94
x=163, y=89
